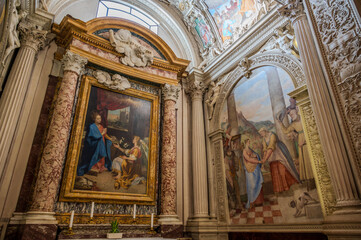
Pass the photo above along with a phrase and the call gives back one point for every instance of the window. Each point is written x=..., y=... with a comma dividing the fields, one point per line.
x=115, y=9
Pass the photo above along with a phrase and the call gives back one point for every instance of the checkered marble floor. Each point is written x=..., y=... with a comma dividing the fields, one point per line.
x=268, y=213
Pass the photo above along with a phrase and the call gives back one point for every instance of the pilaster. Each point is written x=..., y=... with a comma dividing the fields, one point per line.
x=196, y=90
x=14, y=93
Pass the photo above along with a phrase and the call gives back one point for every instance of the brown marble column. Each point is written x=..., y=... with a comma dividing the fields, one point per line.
x=169, y=154
x=337, y=159
x=53, y=156
x=12, y=99
x=196, y=89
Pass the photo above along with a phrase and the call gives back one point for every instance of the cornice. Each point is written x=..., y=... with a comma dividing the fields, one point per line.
x=70, y=29
x=118, y=67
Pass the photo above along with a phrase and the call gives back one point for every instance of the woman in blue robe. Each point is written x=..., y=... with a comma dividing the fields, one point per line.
x=254, y=179
x=96, y=151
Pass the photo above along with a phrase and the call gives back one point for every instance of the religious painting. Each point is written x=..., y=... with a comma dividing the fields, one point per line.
x=203, y=32
x=269, y=176
x=230, y=14
x=112, y=153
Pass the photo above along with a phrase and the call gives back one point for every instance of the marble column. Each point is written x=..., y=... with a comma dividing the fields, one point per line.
x=196, y=89
x=53, y=156
x=11, y=102
x=338, y=162
x=169, y=157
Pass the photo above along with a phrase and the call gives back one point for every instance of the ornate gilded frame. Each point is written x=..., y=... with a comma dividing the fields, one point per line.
x=68, y=193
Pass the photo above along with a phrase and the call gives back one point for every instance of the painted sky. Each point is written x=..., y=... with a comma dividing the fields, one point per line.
x=252, y=96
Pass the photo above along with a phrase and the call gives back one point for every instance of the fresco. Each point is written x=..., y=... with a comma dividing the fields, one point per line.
x=268, y=170
x=203, y=32
x=229, y=14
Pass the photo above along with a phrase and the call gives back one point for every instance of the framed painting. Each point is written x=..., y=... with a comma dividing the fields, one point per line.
x=113, y=147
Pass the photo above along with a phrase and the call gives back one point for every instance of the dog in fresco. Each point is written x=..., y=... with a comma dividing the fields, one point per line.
x=300, y=203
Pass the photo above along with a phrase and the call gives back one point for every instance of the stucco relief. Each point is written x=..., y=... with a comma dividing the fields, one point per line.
x=221, y=198
x=340, y=35
x=284, y=40
x=116, y=81
x=134, y=53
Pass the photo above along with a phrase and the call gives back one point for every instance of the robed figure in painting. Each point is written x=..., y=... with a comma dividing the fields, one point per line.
x=96, y=151
x=283, y=170
x=128, y=166
x=254, y=179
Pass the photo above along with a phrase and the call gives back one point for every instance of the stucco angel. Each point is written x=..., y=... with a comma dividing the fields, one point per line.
x=214, y=91
x=13, y=38
x=134, y=53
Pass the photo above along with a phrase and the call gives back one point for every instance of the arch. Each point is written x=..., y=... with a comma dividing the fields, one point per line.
x=288, y=63
x=171, y=29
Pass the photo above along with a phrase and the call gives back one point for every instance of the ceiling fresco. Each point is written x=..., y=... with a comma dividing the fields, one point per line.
x=231, y=14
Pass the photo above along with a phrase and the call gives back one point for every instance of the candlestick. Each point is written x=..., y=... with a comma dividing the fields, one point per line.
x=134, y=210
x=71, y=219
x=151, y=220
x=92, y=210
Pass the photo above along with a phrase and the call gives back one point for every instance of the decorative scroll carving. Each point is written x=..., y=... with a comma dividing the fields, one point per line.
x=283, y=39
x=213, y=94
x=245, y=64
x=73, y=62
x=221, y=203
x=286, y=62
x=293, y=9
x=350, y=90
x=340, y=34
x=116, y=82
x=134, y=53
x=323, y=176
x=170, y=92
x=13, y=41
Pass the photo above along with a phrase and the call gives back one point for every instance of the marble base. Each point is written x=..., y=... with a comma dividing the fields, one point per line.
x=31, y=232
x=100, y=231
x=169, y=220
x=34, y=218
x=171, y=231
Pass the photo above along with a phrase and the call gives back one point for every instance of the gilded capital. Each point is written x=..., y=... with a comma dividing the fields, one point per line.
x=73, y=62
x=170, y=92
x=32, y=35
x=293, y=10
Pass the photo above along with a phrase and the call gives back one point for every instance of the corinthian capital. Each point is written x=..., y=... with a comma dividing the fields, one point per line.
x=32, y=35
x=194, y=85
x=170, y=92
x=293, y=9
x=73, y=62
x=196, y=89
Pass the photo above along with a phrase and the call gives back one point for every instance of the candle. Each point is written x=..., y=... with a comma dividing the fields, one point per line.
x=92, y=210
x=151, y=220
x=71, y=219
x=134, y=210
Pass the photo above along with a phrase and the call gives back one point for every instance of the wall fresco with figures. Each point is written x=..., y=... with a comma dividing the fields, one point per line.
x=268, y=169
